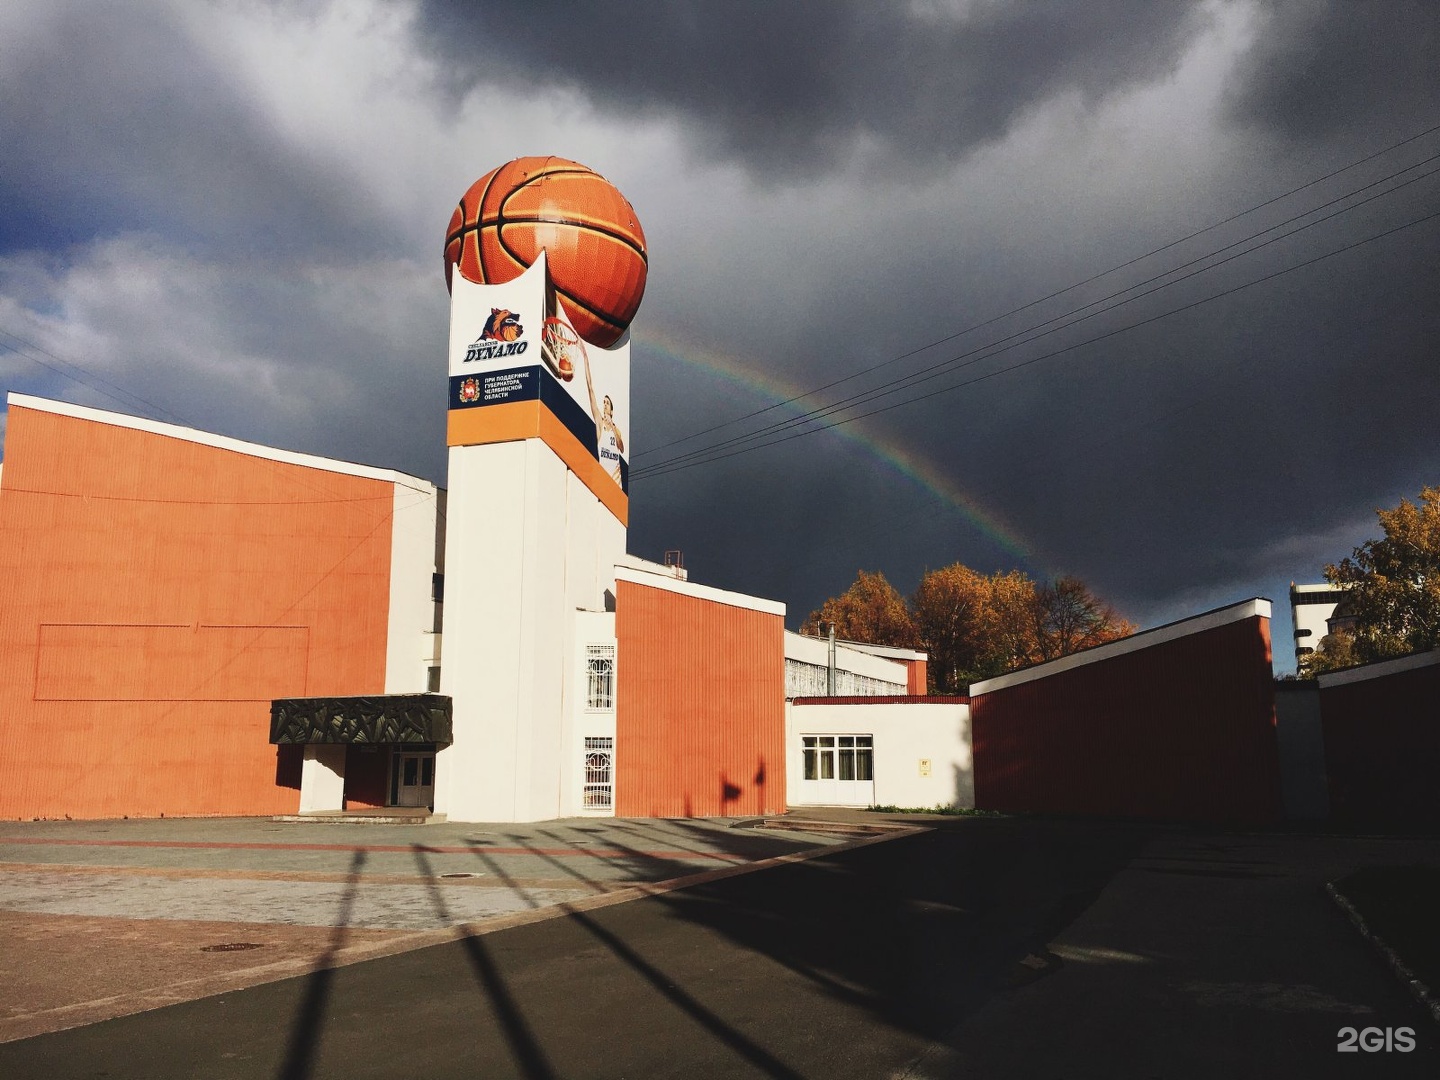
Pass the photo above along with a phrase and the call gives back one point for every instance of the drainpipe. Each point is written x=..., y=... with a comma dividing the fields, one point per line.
x=830, y=668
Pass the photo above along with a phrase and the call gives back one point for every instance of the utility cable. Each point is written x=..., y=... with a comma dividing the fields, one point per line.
x=983, y=352
x=680, y=467
x=1029, y=334
x=1059, y=292
x=910, y=520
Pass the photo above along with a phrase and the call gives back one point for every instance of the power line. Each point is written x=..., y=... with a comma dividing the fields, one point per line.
x=299, y=478
x=910, y=520
x=993, y=348
x=1059, y=292
x=662, y=470
x=85, y=378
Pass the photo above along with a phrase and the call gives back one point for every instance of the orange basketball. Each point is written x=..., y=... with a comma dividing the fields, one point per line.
x=587, y=229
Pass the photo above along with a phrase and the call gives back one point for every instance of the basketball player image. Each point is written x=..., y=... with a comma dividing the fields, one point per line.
x=609, y=444
x=608, y=440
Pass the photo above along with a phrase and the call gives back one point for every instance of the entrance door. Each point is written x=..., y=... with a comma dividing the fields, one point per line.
x=839, y=770
x=415, y=779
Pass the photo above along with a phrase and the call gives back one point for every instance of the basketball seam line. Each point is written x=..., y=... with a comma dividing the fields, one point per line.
x=592, y=226
x=479, y=210
x=564, y=171
x=500, y=239
x=601, y=314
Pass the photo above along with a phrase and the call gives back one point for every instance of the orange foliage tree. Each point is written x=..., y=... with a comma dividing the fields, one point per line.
x=973, y=626
x=870, y=611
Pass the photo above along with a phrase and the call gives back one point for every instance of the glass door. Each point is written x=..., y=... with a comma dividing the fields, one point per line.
x=838, y=770
x=415, y=779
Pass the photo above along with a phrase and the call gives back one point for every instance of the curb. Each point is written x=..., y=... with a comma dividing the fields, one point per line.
x=1421, y=993
x=823, y=826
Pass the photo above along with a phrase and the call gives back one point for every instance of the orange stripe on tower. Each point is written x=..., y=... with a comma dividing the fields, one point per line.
x=517, y=420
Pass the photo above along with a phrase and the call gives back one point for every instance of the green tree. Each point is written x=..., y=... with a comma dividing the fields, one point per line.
x=1333, y=652
x=1393, y=583
x=870, y=611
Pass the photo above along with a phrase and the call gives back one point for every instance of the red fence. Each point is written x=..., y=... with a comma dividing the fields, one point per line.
x=1176, y=723
x=1382, y=742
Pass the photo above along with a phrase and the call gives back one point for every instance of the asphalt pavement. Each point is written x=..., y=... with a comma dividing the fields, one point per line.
x=995, y=948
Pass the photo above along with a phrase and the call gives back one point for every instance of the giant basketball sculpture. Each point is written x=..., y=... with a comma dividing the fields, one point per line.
x=594, y=244
x=551, y=268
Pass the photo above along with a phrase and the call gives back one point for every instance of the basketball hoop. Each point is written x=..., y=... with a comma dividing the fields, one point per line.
x=561, y=347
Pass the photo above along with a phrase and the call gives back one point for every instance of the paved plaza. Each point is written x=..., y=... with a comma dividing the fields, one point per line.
x=102, y=919
x=1005, y=948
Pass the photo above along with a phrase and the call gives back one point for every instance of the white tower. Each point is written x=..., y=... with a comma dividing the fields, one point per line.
x=535, y=523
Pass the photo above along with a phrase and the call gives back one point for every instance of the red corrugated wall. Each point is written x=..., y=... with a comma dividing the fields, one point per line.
x=1382, y=748
x=700, y=707
x=1183, y=730
x=158, y=593
x=915, y=677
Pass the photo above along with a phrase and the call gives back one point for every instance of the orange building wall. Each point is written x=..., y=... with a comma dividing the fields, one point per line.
x=157, y=594
x=700, y=707
x=915, y=677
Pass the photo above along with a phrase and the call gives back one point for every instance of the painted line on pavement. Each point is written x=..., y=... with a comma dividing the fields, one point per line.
x=224, y=845
x=1427, y=998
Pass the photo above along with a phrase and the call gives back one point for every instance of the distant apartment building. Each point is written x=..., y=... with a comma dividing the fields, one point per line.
x=1311, y=607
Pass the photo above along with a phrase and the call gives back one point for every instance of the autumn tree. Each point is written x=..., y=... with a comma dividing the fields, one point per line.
x=1067, y=617
x=952, y=611
x=972, y=625
x=870, y=611
x=1393, y=584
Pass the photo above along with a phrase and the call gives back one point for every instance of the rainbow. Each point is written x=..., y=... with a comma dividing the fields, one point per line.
x=913, y=467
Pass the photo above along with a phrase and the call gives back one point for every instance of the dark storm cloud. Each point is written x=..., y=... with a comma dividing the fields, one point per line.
x=1195, y=461
x=115, y=118
x=793, y=87
x=808, y=179
x=1320, y=70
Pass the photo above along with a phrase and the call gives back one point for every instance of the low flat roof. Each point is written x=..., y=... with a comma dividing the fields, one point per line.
x=886, y=699
x=219, y=442
x=668, y=583
x=1195, y=624
x=1379, y=669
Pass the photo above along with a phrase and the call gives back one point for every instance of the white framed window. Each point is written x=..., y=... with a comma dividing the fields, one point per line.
x=598, y=794
x=839, y=757
x=600, y=677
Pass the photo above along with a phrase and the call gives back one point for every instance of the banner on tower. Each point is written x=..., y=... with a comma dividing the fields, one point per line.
x=518, y=370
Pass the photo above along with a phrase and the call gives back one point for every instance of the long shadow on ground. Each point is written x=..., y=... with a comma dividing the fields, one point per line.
x=846, y=965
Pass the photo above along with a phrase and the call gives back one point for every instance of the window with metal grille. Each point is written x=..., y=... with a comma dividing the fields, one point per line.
x=839, y=757
x=600, y=677
x=599, y=789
